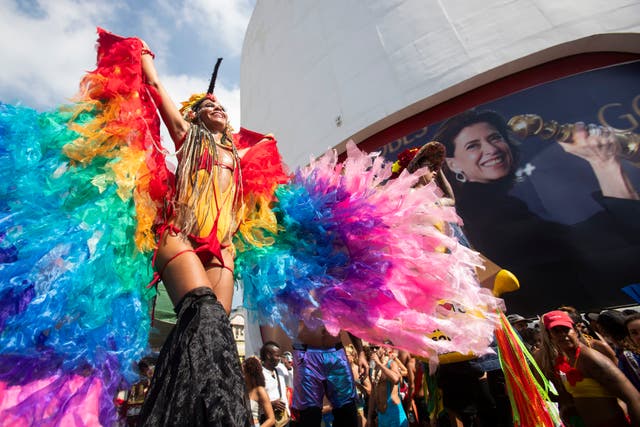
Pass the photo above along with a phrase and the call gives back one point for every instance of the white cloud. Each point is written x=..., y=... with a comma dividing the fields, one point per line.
x=225, y=18
x=45, y=53
x=47, y=46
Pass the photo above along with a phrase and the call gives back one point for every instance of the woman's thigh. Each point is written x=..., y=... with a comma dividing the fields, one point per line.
x=180, y=267
x=221, y=278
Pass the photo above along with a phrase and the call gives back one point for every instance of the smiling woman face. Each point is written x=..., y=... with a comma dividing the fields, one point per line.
x=213, y=115
x=481, y=153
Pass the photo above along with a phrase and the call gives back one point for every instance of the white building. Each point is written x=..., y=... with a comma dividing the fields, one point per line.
x=317, y=73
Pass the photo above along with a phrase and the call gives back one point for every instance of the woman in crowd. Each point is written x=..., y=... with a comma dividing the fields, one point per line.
x=592, y=380
x=363, y=385
x=589, y=336
x=258, y=397
x=385, y=399
x=482, y=159
x=614, y=327
x=632, y=323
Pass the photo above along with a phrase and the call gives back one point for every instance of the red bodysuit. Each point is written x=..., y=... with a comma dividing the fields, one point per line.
x=200, y=198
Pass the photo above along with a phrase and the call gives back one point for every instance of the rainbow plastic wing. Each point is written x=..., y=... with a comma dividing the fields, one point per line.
x=262, y=170
x=80, y=190
x=356, y=251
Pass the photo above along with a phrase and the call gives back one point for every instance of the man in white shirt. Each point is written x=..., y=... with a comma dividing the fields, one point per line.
x=274, y=378
x=287, y=364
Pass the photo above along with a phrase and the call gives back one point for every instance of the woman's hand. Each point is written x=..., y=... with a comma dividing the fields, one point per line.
x=148, y=68
x=375, y=358
x=598, y=146
x=278, y=405
x=593, y=143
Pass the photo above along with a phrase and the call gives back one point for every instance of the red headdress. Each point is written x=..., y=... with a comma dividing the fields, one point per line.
x=431, y=154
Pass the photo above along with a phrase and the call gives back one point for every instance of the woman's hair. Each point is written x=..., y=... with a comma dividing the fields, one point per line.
x=449, y=130
x=574, y=314
x=350, y=350
x=612, y=323
x=630, y=318
x=548, y=354
x=629, y=343
x=253, y=375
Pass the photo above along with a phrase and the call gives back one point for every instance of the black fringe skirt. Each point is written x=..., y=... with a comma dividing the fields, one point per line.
x=197, y=380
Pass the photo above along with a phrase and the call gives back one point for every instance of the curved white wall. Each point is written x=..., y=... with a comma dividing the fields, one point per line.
x=372, y=63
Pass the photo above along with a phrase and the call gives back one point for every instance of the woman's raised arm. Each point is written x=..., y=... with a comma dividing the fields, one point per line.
x=171, y=117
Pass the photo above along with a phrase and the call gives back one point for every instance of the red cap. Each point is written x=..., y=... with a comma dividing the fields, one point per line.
x=557, y=318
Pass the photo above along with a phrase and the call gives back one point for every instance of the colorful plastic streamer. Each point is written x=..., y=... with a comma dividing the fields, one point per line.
x=80, y=188
x=528, y=394
x=355, y=250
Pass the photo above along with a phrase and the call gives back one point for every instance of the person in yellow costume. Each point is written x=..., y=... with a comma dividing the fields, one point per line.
x=198, y=380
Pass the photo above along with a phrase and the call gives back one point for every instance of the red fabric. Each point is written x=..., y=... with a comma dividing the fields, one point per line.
x=248, y=138
x=573, y=374
x=262, y=166
x=557, y=318
x=120, y=70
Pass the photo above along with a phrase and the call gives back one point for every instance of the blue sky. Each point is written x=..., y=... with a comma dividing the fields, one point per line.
x=46, y=45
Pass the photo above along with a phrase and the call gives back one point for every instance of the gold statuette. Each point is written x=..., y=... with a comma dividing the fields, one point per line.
x=525, y=125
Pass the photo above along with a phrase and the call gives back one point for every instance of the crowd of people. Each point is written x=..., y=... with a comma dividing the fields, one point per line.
x=592, y=360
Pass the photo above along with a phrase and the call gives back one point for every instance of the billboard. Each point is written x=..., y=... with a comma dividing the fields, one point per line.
x=546, y=181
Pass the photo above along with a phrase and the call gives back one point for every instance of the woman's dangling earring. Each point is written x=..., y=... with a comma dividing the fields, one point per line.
x=461, y=177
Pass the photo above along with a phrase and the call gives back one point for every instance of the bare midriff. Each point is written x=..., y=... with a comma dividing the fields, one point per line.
x=317, y=338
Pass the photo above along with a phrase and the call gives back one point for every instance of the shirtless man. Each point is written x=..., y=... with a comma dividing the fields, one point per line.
x=321, y=367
